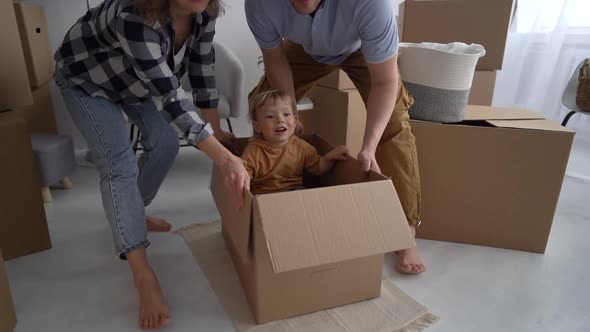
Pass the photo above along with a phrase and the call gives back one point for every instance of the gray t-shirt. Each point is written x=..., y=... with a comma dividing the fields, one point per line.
x=338, y=28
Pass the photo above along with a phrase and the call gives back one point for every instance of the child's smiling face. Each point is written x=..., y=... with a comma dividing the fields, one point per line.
x=275, y=121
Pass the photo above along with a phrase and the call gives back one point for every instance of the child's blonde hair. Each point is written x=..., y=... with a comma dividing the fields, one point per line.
x=262, y=98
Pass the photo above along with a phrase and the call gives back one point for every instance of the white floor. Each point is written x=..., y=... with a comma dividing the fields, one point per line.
x=79, y=285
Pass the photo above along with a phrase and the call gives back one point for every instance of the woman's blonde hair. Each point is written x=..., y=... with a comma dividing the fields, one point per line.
x=270, y=96
x=156, y=10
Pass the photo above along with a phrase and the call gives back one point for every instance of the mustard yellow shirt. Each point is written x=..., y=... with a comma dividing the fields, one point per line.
x=274, y=168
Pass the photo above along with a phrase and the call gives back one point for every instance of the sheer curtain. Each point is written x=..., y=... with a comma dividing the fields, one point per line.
x=548, y=41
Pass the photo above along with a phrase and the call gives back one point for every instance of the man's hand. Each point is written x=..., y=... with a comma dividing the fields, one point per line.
x=368, y=161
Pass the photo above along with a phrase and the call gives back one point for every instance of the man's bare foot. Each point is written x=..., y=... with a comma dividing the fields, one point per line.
x=153, y=310
x=155, y=224
x=409, y=262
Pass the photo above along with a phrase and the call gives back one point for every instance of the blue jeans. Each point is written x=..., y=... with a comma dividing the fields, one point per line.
x=127, y=184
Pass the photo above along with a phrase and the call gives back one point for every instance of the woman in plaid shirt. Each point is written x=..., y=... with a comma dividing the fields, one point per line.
x=117, y=58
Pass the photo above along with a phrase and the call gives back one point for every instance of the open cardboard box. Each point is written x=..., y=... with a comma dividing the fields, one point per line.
x=303, y=251
x=7, y=313
x=492, y=180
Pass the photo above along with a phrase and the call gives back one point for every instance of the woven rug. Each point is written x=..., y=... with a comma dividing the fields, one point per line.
x=394, y=311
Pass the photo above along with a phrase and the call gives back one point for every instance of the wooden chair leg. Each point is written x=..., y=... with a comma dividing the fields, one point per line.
x=67, y=183
x=46, y=195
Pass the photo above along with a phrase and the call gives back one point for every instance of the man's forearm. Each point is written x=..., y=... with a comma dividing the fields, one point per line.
x=380, y=105
x=280, y=76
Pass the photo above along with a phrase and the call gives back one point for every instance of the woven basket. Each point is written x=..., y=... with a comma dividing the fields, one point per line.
x=583, y=92
x=439, y=77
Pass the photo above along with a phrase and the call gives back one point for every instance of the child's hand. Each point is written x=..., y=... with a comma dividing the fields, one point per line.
x=339, y=153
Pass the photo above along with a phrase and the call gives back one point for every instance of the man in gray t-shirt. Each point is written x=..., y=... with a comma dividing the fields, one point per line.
x=305, y=40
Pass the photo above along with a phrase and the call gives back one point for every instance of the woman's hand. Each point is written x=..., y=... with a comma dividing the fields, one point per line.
x=368, y=162
x=235, y=178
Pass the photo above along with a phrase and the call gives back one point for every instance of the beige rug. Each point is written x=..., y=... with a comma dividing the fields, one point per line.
x=394, y=311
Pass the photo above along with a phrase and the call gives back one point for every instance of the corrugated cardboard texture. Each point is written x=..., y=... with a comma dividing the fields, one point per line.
x=482, y=88
x=14, y=85
x=237, y=221
x=490, y=186
x=542, y=124
x=339, y=116
x=276, y=296
x=24, y=228
x=326, y=225
x=34, y=35
x=477, y=112
x=7, y=313
x=484, y=22
x=337, y=80
x=40, y=116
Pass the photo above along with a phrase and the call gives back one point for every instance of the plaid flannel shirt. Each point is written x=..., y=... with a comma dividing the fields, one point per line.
x=113, y=52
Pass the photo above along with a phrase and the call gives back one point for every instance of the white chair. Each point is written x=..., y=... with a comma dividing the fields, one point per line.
x=231, y=84
x=569, y=96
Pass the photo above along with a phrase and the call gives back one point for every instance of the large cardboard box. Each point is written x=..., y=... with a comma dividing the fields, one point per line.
x=338, y=80
x=7, y=313
x=34, y=35
x=39, y=116
x=22, y=219
x=302, y=251
x=493, y=180
x=484, y=22
x=14, y=85
x=339, y=116
x=482, y=89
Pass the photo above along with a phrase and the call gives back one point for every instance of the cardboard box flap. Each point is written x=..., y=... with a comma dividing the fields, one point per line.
x=477, y=112
x=542, y=124
x=313, y=227
x=237, y=223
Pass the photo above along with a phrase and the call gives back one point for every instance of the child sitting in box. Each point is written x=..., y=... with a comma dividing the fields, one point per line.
x=275, y=157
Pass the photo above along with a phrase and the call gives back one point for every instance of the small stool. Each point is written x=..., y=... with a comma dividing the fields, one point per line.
x=55, y=155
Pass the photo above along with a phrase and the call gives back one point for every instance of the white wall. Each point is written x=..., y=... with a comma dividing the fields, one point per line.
x=232, y=31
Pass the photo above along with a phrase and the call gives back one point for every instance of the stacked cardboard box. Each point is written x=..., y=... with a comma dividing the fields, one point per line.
x=7, y=313
x=302, y=251
x=484, y=22
x=338, y=112
x=493, y=180
x=14, y=85
x=34, y=36
x=22, y=220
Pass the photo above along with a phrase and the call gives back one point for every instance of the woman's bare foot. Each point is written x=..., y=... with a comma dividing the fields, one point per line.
x=153, y=310
x=408, y=261
x=155, y=224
